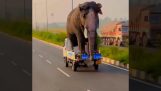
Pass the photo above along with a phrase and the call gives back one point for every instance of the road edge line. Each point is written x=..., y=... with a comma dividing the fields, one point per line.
x=48, y=43
x=147, y=83
x=116, y=66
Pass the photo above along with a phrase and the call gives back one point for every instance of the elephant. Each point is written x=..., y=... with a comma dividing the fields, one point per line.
x=84, y=17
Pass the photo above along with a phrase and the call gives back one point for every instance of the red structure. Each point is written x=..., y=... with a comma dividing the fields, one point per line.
x=114, y=33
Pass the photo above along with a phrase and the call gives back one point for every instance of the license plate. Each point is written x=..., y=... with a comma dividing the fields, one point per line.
x=98, y=62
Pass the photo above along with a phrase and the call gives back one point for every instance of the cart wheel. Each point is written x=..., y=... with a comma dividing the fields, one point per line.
x=66, y=62
x=74, y=66
x=96, y=66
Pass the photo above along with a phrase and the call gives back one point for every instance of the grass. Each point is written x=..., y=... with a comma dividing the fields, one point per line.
x=146, y=59
x=116, y=53
x=56, y=38
x=21, y=29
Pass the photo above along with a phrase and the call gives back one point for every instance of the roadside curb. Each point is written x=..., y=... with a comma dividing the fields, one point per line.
x=60, y=47
x=142, y=75
x=114, y=62
x=15, y=37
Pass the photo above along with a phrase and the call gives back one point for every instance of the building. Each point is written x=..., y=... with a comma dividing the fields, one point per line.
x=115, y=33
x=145, y=25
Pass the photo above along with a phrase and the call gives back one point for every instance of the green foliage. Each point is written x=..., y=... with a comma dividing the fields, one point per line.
x=116, y=53
x=98, y=41
x=56, y=38
x=19, y=29
x=146, y=59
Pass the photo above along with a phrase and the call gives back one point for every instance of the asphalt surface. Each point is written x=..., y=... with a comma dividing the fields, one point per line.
x=138, y=85
x=50, y=73
x=15, y=64
x=41, y=68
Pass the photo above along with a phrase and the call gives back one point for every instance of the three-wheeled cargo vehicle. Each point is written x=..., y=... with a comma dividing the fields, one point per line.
x=78, y=59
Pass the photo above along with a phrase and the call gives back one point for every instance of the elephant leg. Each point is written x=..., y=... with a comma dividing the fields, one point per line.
x=81, y=42
x=95, y=45
x=73, y=40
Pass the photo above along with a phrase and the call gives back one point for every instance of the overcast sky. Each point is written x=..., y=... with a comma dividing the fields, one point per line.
x=59, y=9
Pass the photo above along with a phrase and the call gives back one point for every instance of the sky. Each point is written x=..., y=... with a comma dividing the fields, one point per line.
x=57, y=10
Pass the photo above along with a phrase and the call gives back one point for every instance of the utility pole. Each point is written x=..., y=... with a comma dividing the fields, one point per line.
x=47, y=15
x=36, y=19
x=72, y=4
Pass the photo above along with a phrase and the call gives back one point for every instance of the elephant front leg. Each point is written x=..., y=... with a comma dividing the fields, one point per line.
x=81, y=42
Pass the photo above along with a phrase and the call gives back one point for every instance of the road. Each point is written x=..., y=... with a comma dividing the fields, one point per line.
x=50, y=73
x=47, y=71
x=16, y=64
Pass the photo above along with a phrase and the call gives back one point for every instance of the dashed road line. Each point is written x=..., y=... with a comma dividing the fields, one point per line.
x=116, y=66
x=26, y=72
x=48, y=61
x=40, y=56
x=88, y=90
x=63, y=72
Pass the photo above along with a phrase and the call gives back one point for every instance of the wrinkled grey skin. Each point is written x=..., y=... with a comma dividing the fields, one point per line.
x=85, y=16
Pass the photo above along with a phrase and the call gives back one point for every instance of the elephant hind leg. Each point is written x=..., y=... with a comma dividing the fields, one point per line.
x=73, y=40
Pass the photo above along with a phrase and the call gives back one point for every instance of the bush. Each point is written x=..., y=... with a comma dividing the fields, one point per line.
x=147, y=60
x=56, y=38
x=116, y=53
x=21, y=29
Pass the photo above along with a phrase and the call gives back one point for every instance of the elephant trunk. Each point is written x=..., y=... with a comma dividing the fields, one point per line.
x=92, y=43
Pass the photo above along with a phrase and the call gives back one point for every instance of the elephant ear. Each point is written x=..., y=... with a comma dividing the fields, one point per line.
x=83, y=9
x=83, y=6
x=99, y=6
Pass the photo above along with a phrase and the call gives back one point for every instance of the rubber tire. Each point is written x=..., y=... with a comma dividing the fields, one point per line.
x=66, y=62
x=74, y=66
x=96, y=67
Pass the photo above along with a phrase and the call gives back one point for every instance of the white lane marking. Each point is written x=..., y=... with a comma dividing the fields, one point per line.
x=14, y=63
x=88, y=90
x=116, y=66
x=26, y=72
x=63, y=72
x=40, y=56
x=150, y=84
x=48, y=61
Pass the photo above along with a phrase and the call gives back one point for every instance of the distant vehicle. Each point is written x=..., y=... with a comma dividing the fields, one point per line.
x=145, y=29
x=77, y=59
